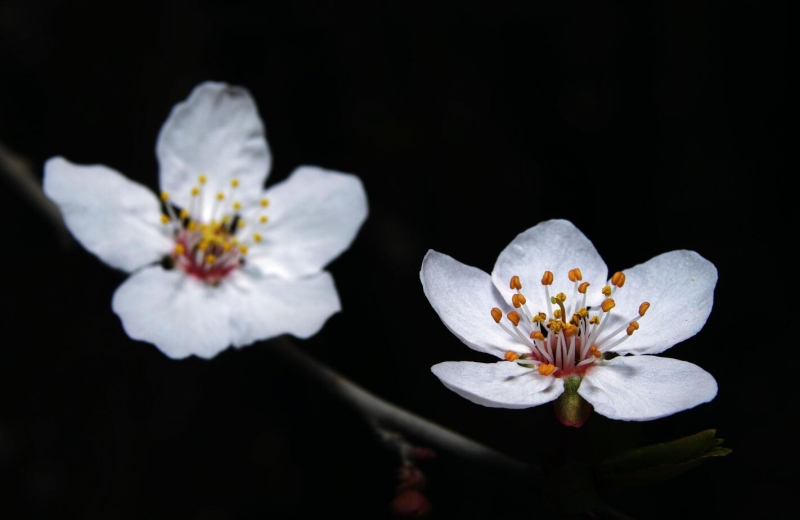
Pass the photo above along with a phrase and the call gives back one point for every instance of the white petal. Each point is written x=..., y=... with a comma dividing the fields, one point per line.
x=556, y=246
x=499, y=385
x=314, y=216
x=216, y=132
x=641, y=388
x=113, y=217
x=183, y=316
x=680, y=288
x=463, y=297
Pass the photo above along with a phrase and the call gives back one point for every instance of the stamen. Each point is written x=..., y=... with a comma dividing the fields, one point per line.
x=547, y=278
x=202, y=179
x=537, y=335
x=164, y=219
x=575, y=275
x=606, y=290
x=264, y=203
x=179, y=250
x=497, y=314
x=517, y=300
x=515, y=283
x=513, y=317
x=164, y=196
x=582, y=287
x=511, y=356
x=546, y=369
x=643, y=308
x=634, y=326
x=257, y=237
x=263, y=219
x=234, y=183
x=195, y=191
x=618, y=280
x=607, y=305
x=243, y=249
x=237, y=206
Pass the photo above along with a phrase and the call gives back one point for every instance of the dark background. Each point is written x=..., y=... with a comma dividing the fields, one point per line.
x=652, y=127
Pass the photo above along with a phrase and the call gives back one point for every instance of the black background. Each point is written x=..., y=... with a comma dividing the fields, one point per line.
x=652, y=127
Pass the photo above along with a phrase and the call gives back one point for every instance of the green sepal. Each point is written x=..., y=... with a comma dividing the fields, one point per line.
x=572, y=409
x=660, y=462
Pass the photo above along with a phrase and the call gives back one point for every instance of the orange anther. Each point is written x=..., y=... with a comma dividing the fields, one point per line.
x=515, y=283
x=540, y=318
x=618, y=279
x=632, y=327
x=513, y=317
x=511, y=356
x=570, y=330
x=518, y=300
x=607, y=305
x=575, y=275
x=547, y=278
x=643, y=308
x=497, y=314
x=537, y=335
x=546, y=369
x=595, y=351
x=582, y=287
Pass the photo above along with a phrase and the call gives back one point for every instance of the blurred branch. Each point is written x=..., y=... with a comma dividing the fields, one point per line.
x=20, y=171
x=383, y=415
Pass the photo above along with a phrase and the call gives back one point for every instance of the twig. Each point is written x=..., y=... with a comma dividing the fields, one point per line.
x=19, y=170
x=382, y=414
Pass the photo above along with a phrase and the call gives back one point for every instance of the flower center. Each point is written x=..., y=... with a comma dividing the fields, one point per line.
x=212, y=248
x=569, y=337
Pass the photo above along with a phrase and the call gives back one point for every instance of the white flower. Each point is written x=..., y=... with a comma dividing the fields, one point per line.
x=547, y=312
x=215, y=260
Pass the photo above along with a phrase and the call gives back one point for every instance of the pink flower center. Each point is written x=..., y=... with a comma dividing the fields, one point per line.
x=568, y=338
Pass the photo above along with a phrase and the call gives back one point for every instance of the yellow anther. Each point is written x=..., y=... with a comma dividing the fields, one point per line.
x=595, y=351
x=264, y=203
x=582, y=312
x=243, y=249
x=618, y=280
x=643, y=308
x=513, y=317
x=539, y=318
x=497, y=314
x=606, y=291
x=203, y=245
x=632, y=327
x=202, y=179
x=195, y=191
x=179, y=249
x=575, y=275
x=511, y=355
x=557, y=313
x=570, y=330
x=184, y=214
x=226, y=246
x=164, y=219
x=547, y=278
x=164, y=196
x=546, y=369
x=607, y=304
x=582, y=287
x=517, y=300
x=256, y=237
x=220, y=196
x=237, y=206
x=515, y=283
x=234, y=183
x=561, y=297
x=555, y=326
x=210, y=259
x=575, y=319
x=263, y=219
x=594, y=320
x=537, y=335
x=240, y=223
x=192, y=226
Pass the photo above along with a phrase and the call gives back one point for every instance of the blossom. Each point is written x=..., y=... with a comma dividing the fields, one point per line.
x=215, y=260
x=572, y=335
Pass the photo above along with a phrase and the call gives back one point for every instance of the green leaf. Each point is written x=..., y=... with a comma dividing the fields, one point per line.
x=659, y=462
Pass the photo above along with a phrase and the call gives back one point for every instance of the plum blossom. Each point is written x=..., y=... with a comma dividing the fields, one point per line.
x=565, y=333
x=215, y=260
